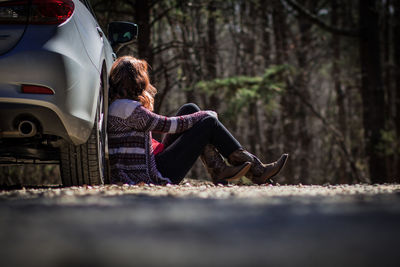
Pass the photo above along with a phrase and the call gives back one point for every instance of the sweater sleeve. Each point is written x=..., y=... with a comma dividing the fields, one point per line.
x=144, y=120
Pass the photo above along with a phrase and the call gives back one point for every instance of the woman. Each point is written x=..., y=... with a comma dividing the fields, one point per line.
x=135, y=157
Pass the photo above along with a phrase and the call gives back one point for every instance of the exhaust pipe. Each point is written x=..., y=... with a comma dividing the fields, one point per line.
x=27, y=129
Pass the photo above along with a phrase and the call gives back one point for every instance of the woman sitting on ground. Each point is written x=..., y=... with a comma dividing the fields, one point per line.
x=135, y=157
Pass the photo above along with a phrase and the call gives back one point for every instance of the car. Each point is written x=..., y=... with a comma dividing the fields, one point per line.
x=54, y=65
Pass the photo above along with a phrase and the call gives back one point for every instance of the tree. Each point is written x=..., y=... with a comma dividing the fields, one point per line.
x=323, y=111
x=142, y=18
x=396, y=45
x=371, y=88
x=211, y=50
x=372, y=92
x=343, y=172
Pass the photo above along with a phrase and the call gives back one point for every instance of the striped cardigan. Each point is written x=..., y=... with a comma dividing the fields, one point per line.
x=129, y=139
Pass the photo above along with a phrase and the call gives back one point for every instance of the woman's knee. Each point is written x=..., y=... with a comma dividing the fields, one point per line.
x=209, y=122
x=188, y=108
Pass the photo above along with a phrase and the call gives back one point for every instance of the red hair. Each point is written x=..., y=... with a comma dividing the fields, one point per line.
x=129, y=78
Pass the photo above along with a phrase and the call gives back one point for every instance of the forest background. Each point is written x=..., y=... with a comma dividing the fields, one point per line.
x=317, y=79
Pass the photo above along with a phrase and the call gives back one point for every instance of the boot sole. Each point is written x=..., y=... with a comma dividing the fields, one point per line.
x=240, y=174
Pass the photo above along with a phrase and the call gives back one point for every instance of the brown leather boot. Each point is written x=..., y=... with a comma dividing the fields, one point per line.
x=259, y=173
x=219, y=171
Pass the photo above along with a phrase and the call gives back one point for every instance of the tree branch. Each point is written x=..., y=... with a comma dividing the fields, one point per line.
x=320, y=23
x=164, y=68
x=172, y=44
x=161, y=15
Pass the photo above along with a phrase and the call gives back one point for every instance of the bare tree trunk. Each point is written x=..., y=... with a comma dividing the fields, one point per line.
x=211, y=51
x=250, y=20
x=199, y=57
x=396, y=45
x=188, y=70
x=266, y=35
x=386, y=59
x=288, y=99
x=372, y=92
x=142, y=16
x=389, y=97
x=302, y=78
x=343, y=170
x=266, y=52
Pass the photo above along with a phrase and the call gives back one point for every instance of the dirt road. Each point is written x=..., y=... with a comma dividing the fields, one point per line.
x=201, y=225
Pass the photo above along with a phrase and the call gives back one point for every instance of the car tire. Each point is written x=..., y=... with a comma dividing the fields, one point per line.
x=87, y=163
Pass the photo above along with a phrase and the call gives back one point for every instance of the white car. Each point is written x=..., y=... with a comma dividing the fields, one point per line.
x=54, y=66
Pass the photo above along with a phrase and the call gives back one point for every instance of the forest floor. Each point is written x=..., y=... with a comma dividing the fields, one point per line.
x=199, y=224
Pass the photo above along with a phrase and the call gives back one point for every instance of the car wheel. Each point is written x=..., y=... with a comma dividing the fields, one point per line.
x=87, y=163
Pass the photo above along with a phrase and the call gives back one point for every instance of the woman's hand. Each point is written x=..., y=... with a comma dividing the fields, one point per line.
x=212, y=113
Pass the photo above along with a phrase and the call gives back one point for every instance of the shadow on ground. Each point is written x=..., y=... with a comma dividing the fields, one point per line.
x=200, y=226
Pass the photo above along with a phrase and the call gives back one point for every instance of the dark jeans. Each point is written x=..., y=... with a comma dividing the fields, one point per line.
x=182, y=149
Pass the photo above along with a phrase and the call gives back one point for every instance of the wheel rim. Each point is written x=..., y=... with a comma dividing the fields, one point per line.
x=101, y=133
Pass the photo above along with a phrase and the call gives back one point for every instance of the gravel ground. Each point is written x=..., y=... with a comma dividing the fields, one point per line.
x=199, y=224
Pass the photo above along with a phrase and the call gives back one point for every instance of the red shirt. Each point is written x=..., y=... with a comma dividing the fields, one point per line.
x=157, y=146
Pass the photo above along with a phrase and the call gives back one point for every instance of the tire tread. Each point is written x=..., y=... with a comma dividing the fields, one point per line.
x=80, y=164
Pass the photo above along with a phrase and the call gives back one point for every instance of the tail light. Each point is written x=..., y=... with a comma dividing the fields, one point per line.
x=39, y=11
x=50, y=11
x=36, y=89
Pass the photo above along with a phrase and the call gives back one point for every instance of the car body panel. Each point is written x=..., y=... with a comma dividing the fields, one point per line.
x=89, y=32
x=10, y=35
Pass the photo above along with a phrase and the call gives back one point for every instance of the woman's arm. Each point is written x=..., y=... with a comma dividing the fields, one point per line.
x=144, y=120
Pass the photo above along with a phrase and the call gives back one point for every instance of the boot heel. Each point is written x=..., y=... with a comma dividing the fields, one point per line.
x=219, y=171
x=240, y=174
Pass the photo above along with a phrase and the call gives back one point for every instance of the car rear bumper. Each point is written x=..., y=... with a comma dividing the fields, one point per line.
x=46, y=120
x=51, y=115
x=53, y=57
